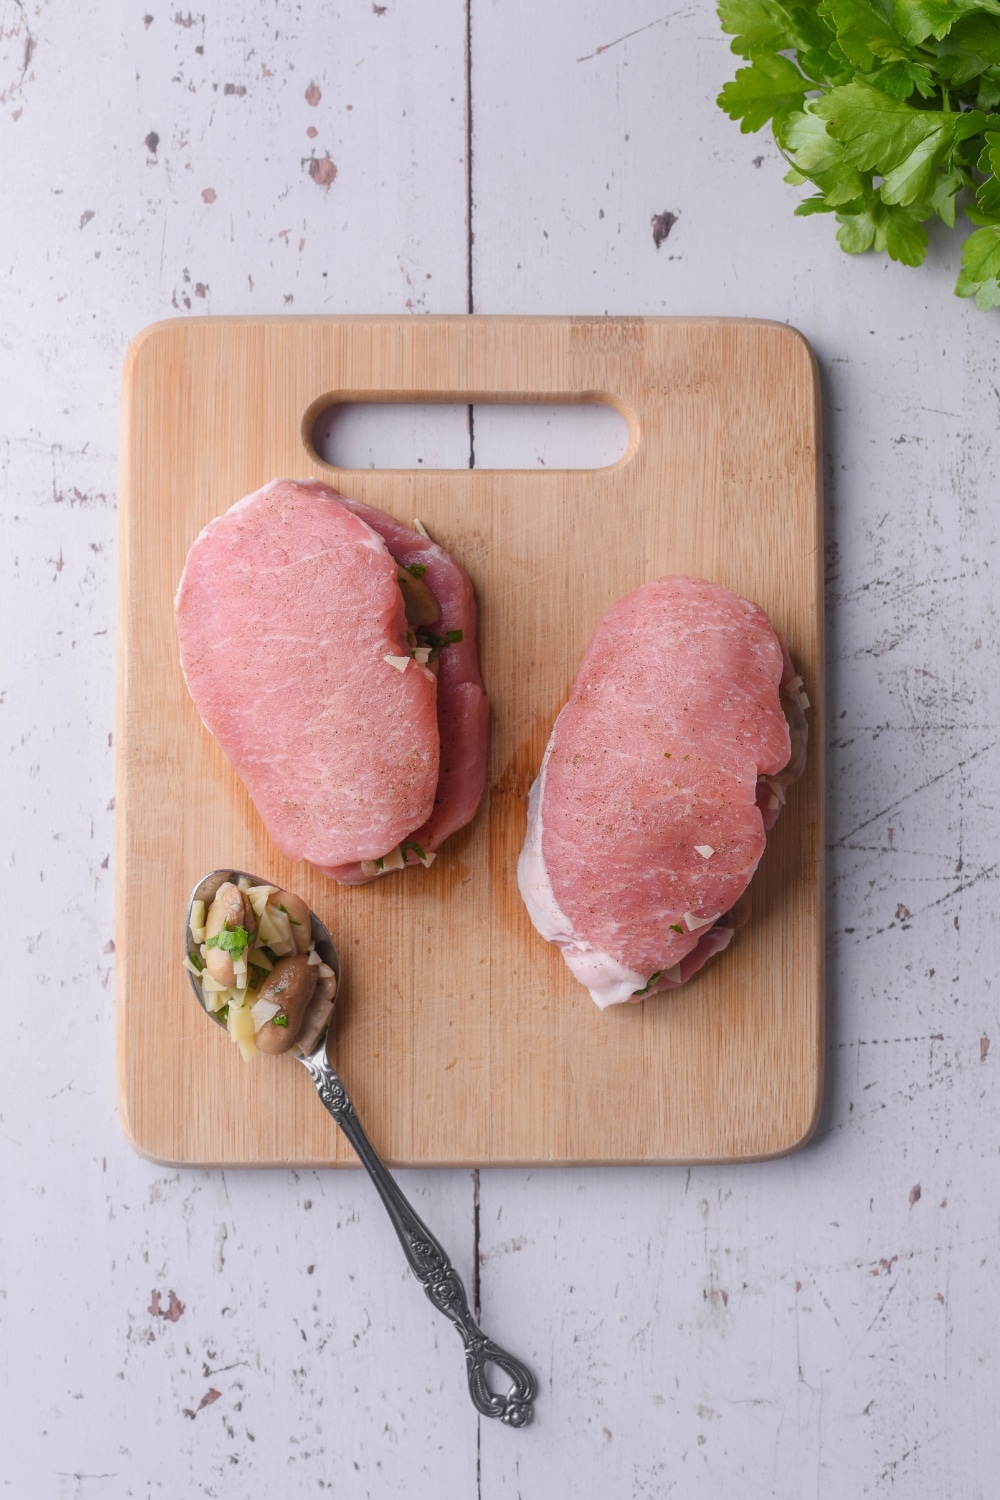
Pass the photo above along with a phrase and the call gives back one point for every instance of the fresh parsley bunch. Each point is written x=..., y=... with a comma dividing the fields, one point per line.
x=884, y=106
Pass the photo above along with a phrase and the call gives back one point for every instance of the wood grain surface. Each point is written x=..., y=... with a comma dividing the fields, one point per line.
x=460, y=1033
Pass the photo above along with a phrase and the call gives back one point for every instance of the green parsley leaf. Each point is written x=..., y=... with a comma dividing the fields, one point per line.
x=988, y=194
x=650, y=981
x=980, y=273
x=230, y=940
x=675, y=927
x=289, y=916
x=197, y=959
x=769, y=85
x=758, y=25
x=410, y=844
x=279, y=1021
x=920, y=19
x=417, y=569
x=888, y=136
x=452, y=637
x=864, y=34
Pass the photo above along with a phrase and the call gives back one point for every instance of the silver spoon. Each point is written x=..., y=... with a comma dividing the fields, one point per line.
x=426, y=1257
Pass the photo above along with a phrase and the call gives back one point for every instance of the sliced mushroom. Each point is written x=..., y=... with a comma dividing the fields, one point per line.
x=229, y=910
x=299, y=917
x=291, y=985
x=317, y=1013
x=419, y=601
x=737, y=915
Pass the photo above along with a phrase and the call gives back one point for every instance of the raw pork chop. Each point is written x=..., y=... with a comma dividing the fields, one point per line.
x=643, y=825
x=287, y=610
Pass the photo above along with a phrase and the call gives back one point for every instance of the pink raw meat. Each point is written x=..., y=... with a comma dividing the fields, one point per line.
x=673, y=719
x=286, y=611
x=462, y=706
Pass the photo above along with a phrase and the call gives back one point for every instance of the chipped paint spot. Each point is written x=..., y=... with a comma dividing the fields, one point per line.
x=313, y=95
x=18, y=49
x=322, y=170
x=175, y=1308
x=172, y=1312
x=312, y=132
x=152, y=142
x=209, y=1399
x=662, y=225
x=86, y=217
x=239, y=89
x=208, y=195
x=914, y=1194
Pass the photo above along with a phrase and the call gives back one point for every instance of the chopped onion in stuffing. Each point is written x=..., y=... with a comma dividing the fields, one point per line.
x=262, y=1012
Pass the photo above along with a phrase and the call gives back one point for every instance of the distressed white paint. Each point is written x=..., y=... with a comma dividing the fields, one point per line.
x=813, y=1327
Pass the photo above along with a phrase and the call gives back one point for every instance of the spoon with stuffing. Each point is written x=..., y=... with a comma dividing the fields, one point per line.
x=236, y=925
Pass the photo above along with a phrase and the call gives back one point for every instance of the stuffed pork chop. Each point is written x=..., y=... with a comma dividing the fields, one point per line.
x=298, y=649
x=661, y=777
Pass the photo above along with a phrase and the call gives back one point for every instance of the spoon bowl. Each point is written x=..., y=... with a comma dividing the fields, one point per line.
x=425, y=1254
x=206, y=890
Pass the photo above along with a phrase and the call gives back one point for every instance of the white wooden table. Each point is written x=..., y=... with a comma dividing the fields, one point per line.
x=821, y=1326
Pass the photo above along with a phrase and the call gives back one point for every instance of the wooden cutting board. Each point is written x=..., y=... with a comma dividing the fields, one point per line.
x=460, y=1033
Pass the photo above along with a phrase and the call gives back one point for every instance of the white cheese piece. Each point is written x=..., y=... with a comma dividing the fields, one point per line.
x=705, y=850
x=693, y=923
x=399, y=662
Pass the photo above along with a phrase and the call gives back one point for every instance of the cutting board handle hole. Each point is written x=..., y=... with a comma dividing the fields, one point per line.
x=401, y=434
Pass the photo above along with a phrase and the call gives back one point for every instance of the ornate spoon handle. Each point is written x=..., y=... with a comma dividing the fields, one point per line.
x=428, y=1261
